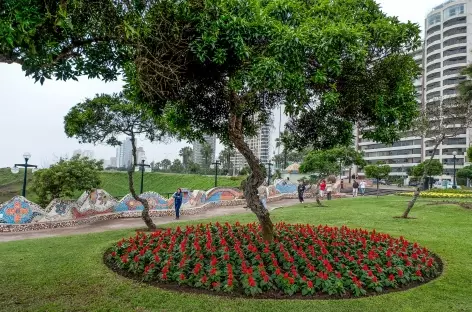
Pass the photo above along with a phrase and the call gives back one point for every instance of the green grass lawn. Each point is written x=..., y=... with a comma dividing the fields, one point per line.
x=116, y=183
x=67, y=273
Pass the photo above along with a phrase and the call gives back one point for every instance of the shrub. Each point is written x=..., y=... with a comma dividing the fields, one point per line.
x=302, y=259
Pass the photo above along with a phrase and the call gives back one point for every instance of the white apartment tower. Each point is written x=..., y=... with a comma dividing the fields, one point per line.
x=124, y=154
x=447, y=49
x=259, y=144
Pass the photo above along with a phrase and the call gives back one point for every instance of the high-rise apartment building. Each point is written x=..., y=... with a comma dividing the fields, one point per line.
x=446, y=51
x=140, y=154
x=259, y=144
x=198, y=150
x=124, y=154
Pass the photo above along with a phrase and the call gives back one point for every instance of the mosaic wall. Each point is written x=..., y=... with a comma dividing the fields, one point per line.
x=221, y=194
x=19, y=210
x=93, y=203
x=285, y=187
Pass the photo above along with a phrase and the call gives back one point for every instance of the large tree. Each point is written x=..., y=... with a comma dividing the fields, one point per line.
x=104, y=119
x=65, y=178
x=222, y=67
x=207, y=153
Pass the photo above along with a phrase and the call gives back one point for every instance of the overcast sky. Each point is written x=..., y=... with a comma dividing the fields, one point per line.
x=31, y=115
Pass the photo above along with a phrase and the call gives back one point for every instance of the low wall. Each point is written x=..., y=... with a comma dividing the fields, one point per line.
x=131, y=214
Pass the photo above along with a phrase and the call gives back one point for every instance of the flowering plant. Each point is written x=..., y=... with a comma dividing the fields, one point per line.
x=440, y=194
x=302, y=259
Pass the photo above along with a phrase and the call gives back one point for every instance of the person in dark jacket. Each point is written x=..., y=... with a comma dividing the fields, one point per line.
x=301, y=190
x=178, y=196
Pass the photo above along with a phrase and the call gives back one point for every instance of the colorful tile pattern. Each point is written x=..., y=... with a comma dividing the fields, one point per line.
x=19, y=210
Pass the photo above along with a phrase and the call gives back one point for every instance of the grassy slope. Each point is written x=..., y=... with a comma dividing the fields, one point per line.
x=116, y=183
x=67, y=273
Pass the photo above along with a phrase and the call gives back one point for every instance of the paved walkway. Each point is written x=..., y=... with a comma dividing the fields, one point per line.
x=129, y=223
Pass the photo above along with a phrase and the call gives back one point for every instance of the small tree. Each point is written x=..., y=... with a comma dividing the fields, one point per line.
x=469, y=154
x=106, y=117
x=165, y=164
x=428, y=168
x=177, y=166
x=65, y=178
x=465, y=173
x=326, y=162
x=377, y=171
x=440, y=119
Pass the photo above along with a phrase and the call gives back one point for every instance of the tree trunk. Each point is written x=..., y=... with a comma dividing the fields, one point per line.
x=417, y=193
x=317, y=193
x=145, y=214
x=254, y=180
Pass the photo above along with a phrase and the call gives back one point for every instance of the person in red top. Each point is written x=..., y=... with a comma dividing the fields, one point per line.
x=322, y=188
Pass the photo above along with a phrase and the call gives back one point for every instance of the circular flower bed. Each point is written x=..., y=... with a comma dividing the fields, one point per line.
x=302, y=260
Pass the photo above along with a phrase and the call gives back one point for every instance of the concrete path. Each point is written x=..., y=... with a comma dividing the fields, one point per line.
x=130, y=223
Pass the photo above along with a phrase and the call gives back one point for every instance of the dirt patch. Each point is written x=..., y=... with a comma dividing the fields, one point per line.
x=275, y=295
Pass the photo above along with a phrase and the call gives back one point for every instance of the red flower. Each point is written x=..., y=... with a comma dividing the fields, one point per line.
x=113, y=254
x=230, y=282
x=213, y=271
x=391, y=277
x=251, y=281
x=400, y=272
x=204, y=279
x=418, y=273
x=277, y=271
x=338, y=275
x=226, y=257
x=214, y=261
x=156, y=258
x=309, y=284
x=374, y=279
x=182, y=276
x=215, y=284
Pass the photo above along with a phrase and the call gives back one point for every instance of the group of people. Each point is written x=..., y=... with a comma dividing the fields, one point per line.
x=358, y=188
x=326, y=189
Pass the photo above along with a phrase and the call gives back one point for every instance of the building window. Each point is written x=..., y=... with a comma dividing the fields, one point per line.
x=434, y=19
x=454, y=11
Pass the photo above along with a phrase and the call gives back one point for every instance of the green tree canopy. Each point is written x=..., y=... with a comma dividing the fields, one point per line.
x=465, y=173
x=186, y=153
x=377, y=171
x=221, y=67
x=327, y=162
x=65, y=178
x=177, y=166
x=105, y=118
x=427, y=168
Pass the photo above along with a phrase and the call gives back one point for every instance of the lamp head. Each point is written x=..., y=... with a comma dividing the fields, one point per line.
x=26, y=155
x=14, y=170
x=454, y=153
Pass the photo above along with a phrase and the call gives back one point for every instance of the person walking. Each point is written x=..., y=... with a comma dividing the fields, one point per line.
x=178, y=196
x=301, y=190
x=362, y=187
x=355, y=188
x=329, y=190
x=322, y=188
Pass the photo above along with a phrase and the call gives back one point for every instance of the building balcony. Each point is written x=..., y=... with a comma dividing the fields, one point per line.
x=454, y=31
x=433, y=39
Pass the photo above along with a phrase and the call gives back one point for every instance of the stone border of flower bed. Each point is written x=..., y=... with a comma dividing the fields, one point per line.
x=36, y=226
x=274, y=295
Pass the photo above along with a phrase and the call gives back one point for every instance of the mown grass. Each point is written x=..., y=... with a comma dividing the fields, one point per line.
x=67, y=273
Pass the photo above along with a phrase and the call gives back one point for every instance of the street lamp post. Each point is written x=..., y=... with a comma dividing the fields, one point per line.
x=26, y=156
x=454, y=185
x=216, y=163
x=142, y=165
